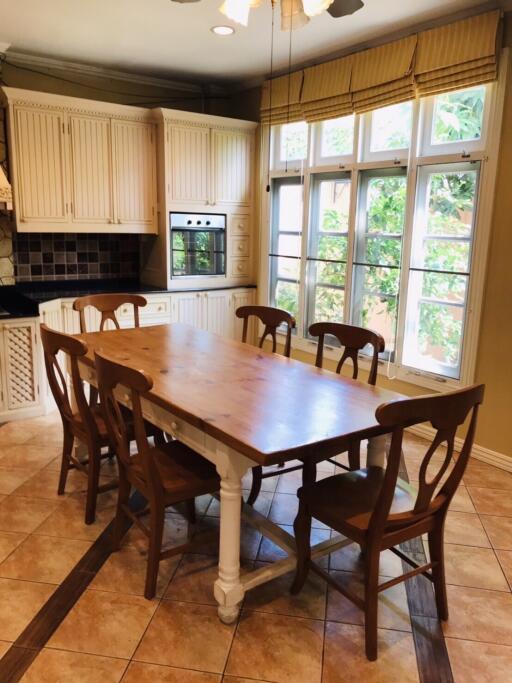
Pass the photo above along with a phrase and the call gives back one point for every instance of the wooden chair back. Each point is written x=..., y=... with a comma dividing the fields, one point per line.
x=271, y=318
x=353, y=339
x=113, y=376
x=73, y=348
x=445, y=413
x=107, y=305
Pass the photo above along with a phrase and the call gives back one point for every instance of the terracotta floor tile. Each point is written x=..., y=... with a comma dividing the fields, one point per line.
x=269, y=552
x=349, y=559
x=461, y=501
x=481, y=615
x=175, y=532
x=274, y=597
x=4, y=646
x=153, y=673
x=44, y=559
x=499, y=531
x=284, y=510
x=23, y=514
x=491, y=501
x=393, y=608
x=125, y=572
x=102, y=623
x=8, y=542
x=58, y=666
x=44, y=484
x=27, y=457
x=482, y=475
x=11, y=479
x=19, y=603
x=345, y=660
x=238, y=679
x=188, y=636
x=474, y=567
x=277, y=648
x=261, y=505
x=193, y=580
x=249, y=542
x=479, y=662
x=465, y=528
x=505, y=559
x=268, y=484
x=17, y=432
x=67, y=521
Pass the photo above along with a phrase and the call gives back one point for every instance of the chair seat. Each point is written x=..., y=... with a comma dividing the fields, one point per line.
x=345, y=502
x=183, y=473
x=102, y=427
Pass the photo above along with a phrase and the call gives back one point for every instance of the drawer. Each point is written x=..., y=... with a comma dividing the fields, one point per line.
x=240, y=224
x=154, y=308
x=240, y=267
x=240, y=246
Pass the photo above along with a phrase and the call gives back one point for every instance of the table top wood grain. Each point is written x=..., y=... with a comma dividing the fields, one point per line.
x=263, y=405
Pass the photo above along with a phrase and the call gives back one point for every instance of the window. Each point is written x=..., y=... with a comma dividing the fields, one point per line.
x=290, y=144
x=387, y=241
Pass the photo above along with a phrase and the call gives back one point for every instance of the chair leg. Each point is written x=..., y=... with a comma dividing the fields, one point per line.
x=354, y=455
x=92, y=484
x=67, y=448
x=302, y=529
x=436, y=549
x=256, y=484
x=157, y=518
x=308, y=473
x=371, y=596
x=191, y=510
x=123, y=495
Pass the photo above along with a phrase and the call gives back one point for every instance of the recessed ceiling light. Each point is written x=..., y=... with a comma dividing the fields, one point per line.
x=222, y=30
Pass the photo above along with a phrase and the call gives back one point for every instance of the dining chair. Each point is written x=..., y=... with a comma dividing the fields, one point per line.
x=375, y=509
x=85, y=423
x=165, y=474
x=272, y=319
x=107, y=305
x=353, y=340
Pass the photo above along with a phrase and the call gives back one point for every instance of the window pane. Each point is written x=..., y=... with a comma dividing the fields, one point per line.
x=294, y=141
x=451, y=203
x=391, y=127
x=288, y=245
x=458, y=116
x=337, y=137
x=290, y=207
x=376, y=300
x=326, y=291
x=385, y=204
x=286, y=268
x=287, y=296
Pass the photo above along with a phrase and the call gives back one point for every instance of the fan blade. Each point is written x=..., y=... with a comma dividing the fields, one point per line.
x=340, y=8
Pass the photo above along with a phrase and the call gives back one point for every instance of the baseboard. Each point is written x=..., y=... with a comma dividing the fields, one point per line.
x=481, y=453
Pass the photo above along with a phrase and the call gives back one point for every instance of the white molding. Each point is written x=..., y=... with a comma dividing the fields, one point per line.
x=500, y=460
x=86, y=70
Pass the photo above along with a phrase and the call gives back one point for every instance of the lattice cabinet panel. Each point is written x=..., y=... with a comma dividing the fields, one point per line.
x=21, y=367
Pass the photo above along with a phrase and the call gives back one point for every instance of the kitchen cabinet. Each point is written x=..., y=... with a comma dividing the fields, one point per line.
x=20, y=369
x=80, y=165
x=213, y=310
x=188, y=308
x=188, y=164
x=232, y=160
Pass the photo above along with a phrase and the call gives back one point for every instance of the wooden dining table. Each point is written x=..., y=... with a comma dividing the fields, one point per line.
x=240, y=406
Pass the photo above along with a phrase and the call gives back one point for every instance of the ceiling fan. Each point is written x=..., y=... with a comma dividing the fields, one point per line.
x=294, y=13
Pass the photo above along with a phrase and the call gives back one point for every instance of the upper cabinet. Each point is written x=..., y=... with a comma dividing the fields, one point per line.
x=81, y=166
x=209, y=160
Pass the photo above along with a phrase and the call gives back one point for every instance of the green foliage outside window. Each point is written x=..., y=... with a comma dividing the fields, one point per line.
x=458, y=116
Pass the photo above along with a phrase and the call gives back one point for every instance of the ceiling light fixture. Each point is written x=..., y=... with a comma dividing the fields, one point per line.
x=222, y=30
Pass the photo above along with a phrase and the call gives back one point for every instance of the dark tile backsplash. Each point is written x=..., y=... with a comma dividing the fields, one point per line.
x=42, y=256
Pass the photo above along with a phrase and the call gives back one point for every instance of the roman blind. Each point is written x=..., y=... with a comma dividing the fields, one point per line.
x=326, y=90
x=383, y=75
x=458, y=55
x=449, y=57
x=280, y=99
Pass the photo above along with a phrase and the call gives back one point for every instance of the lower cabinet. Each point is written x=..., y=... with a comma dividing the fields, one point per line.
x=213, y=310
x=19, y=369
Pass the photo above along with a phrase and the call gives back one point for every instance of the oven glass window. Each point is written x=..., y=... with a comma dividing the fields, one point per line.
x=198, y=252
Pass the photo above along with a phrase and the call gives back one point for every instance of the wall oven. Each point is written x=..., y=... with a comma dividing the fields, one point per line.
x=198, y=244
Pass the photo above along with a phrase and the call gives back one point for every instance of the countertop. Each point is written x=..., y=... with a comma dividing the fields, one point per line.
x=22, y=300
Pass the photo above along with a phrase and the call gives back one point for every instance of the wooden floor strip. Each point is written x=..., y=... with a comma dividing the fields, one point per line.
x=38, y=632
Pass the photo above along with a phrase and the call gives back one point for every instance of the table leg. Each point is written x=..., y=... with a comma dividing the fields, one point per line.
x=228, y=589
x=377, y=451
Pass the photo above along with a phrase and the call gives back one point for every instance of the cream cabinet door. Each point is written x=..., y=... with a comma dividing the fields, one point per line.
x=189, y=308
x=21, y=365
x=134, y=176
x=91, y=169
x=219, y=312
x=188, y=164
x=40, y=167
x=231, y=166
x=243, y=297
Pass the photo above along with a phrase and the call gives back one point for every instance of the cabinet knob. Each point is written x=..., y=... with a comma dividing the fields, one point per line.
x=174, y=426
x=119, y=221
x=240, y=267
x=160, y=308
x=241, y=226
x=240, y=247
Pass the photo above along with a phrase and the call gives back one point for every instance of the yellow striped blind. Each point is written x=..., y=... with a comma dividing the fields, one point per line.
x=280, y=99
x=326, y=90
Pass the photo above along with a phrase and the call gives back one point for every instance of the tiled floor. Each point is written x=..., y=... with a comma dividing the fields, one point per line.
x=113, y=634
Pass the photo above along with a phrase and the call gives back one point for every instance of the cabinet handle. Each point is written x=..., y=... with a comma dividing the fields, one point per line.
x=240, y=247
x=160, y=308
x=240, y=267
x=174, y=426
x=241, y=226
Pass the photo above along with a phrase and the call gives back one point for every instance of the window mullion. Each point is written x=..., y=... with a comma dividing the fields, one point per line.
x=306, y=217
x=352, y=217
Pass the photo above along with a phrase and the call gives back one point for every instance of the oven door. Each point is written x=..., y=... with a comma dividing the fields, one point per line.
x=198, y=251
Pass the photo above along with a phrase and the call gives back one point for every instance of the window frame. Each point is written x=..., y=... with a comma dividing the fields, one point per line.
x=340, y=160
x=398, y=156
x=483, y=215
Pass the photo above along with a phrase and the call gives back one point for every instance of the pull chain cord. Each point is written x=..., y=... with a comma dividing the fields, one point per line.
x=270, y=94
x=289, y=82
